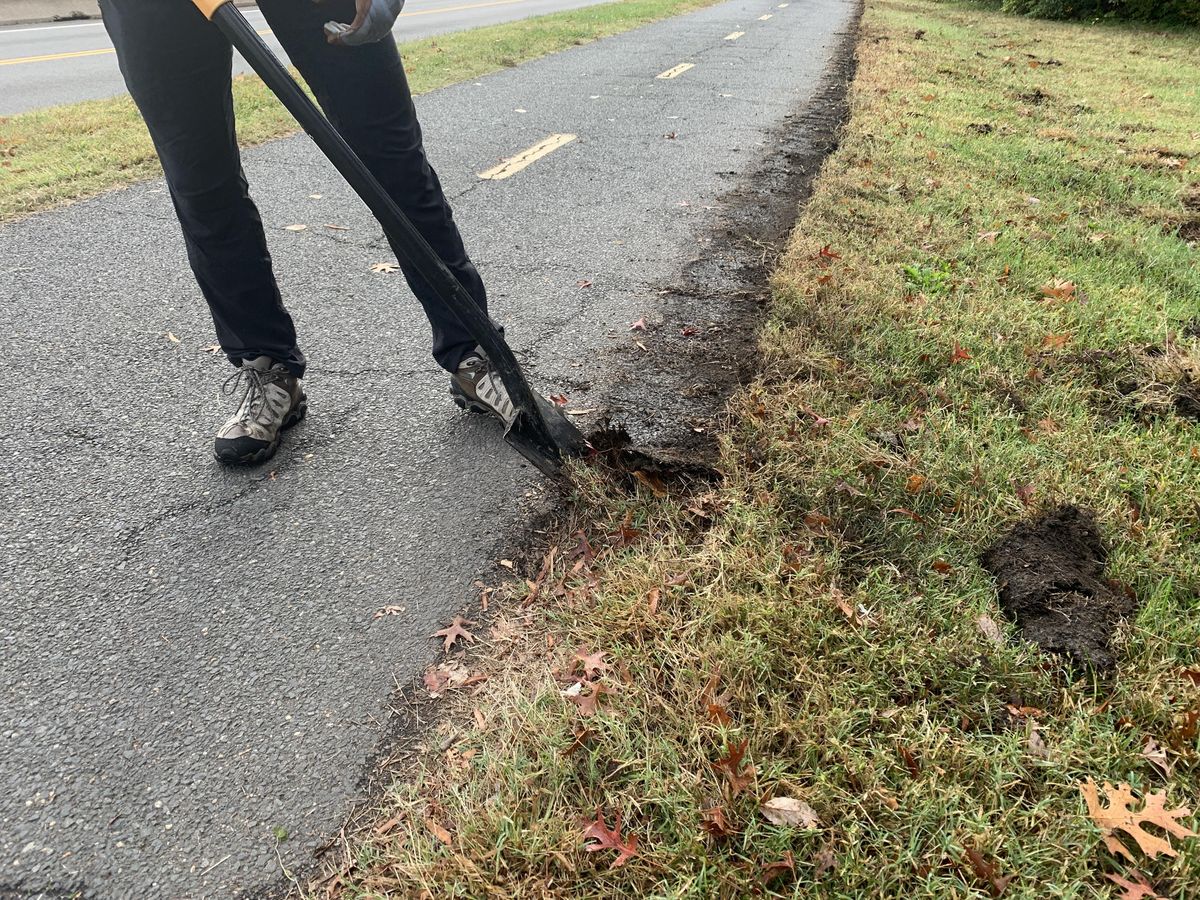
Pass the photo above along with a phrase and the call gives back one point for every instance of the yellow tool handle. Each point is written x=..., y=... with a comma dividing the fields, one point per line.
x=209, y=7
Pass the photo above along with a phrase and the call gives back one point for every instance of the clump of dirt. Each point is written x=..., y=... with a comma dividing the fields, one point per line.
x=1190, y=231
x=1050, y=573
x=1037, y=97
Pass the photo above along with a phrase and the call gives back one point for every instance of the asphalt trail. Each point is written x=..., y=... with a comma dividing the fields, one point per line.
x=190, y=657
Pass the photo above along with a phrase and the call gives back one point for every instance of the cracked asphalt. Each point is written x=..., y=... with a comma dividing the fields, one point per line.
x=192, y=661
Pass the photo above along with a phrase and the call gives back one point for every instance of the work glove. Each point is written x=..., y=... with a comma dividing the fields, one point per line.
x=373, y=21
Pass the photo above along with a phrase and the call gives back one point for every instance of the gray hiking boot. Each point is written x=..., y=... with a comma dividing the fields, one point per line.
x=477, y=387
x=272, y=402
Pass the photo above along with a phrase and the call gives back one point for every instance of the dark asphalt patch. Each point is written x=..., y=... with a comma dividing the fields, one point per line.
x=1050, y=573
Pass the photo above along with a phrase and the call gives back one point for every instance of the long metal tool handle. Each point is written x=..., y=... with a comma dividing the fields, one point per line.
x=396, y=225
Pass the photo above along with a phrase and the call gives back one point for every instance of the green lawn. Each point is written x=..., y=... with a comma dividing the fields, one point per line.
x=65, y=153
x=989, y=309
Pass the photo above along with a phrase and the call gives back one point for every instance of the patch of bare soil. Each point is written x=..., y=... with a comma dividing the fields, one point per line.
x=1050, y=574
x=669, y=395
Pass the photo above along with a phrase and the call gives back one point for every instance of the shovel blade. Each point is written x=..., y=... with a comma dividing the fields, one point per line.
x=547, y=449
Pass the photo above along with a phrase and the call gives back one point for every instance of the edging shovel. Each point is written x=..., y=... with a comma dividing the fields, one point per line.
x=540, y=432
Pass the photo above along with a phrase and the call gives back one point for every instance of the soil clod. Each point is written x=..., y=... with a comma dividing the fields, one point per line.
x=1050, y=574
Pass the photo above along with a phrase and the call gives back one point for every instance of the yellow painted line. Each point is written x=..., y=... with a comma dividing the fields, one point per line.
x=734, y=36
x=677, y=70
x=764, y=18
x=76, y=54
x=515, y=164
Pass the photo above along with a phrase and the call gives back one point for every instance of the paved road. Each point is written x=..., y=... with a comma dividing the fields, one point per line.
x=190, y=656
x=47, y=65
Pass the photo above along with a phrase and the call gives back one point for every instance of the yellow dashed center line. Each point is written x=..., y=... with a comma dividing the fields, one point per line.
x=677, y=70
x=734, y=36
x=75, y=54
x=515, y=164
x=764, y=18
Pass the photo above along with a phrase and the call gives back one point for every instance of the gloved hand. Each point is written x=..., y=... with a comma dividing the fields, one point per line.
x=373, y=21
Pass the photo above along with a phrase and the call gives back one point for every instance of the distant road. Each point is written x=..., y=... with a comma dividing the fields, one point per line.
x=52, y=64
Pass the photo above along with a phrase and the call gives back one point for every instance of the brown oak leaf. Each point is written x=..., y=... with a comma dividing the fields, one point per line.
x=454, y=632
x=714, y=822
x=1118, y=815
x=605, y=839
x=731, y=767
x=1138, y=889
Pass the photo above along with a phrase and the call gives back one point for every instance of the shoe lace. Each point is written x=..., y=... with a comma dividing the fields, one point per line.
x=252, y=382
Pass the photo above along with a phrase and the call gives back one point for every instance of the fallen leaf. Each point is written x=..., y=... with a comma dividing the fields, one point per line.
x=603, y=838
x=959, y=355
x=439, y=832
x=639, y=325
x=559, y=399
x=584, y=283
x=990, y=630
x=1048, y=425
x=1025, y=493
x=1059, y=290
x=388, y=611
x=714, y=822
x=771, y=871
x=1157, y=757
x=910, y=761
x=915, y=484
x=454, y=632
x=988, y=237
x=297, y=227
x=581, y=737
x=790, y=811
x=825, y=861
x=435, y=680
x=731, y=767
x=1192, y=675
x=1118, y=815
x=987, y=873
x=171, y=337
x=385, y=268
x=1055, y=341
x=825, y=253
x=593, y=663
x=589, y=703
x=1139, y=889
x=335, y=227
x=212, y=348
x=942, y=567
x=1037, y=745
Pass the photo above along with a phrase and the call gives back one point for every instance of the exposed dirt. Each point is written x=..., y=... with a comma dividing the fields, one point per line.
x=671, y=390
x=1050, y=573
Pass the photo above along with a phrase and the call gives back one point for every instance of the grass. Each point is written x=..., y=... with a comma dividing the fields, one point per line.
x=64, y=153
x=922, y=393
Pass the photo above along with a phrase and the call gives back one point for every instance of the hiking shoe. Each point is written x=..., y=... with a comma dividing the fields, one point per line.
x=273, y=401
x=476, y=386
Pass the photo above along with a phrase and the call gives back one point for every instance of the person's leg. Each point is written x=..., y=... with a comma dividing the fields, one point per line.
x=364, y=92
x=177, y=67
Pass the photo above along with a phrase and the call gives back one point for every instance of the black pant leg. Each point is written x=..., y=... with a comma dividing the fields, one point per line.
x=177, y=67
x=365, y=94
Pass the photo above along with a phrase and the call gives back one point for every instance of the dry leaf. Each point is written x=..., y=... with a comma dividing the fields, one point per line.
x=1138, y=889
x=731, y=767
x=438, y=831
x=1157, y=757
x=296, y=227
x=790, y=811
x=1118, y=816
x=714, y=822
x=385, y=268
x=825, y=861
x=990, y=630
x=454, y=632
x=171, y=337
x=604, y=839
